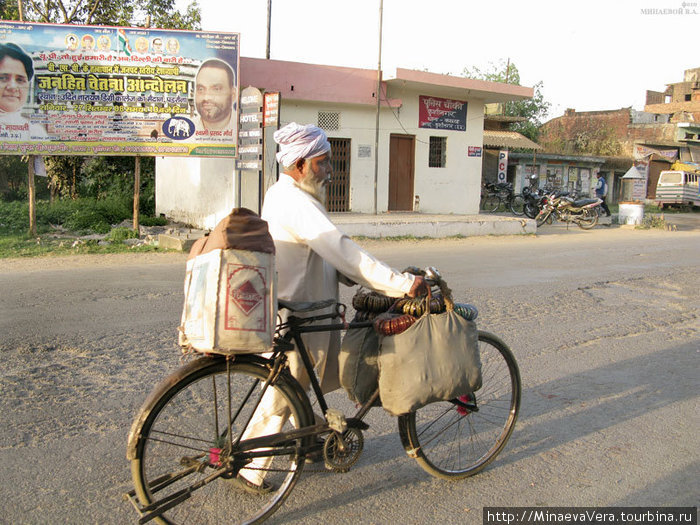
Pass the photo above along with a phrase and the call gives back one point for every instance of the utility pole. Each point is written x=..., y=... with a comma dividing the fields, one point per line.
x=137, y=176
x=378, y=92
x=505, y=104
x=269, y=19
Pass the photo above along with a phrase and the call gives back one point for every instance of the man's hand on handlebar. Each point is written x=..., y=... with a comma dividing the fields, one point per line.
x=419, y=288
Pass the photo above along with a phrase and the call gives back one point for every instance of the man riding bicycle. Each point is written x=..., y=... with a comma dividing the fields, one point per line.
x=312, y=256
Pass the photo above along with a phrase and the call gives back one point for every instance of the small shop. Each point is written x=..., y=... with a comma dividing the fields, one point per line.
x=569, y=172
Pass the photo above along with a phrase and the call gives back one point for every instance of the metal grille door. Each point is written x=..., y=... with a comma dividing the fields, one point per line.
x=339, y=189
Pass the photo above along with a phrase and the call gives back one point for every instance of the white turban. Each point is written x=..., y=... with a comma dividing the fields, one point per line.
x=300, y=142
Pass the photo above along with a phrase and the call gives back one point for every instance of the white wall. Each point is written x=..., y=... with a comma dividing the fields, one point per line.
x=201, y=191
x=454, y=188
x=357, y=123
x=196, y=191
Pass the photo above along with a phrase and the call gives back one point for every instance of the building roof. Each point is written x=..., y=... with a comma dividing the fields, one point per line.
x=316, y=82
x=514, y=155
x=504, y=118
x=508, y=139
x=300, y=81
x=461, y=87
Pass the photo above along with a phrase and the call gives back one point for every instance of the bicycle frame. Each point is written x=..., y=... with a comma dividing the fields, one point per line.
x=296, y=328
x=240, y=453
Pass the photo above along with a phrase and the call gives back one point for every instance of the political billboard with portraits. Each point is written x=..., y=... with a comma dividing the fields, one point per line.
x=96, y=90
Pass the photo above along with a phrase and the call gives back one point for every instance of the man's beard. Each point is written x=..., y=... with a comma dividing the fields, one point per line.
x=215, y=112
x=310, y=184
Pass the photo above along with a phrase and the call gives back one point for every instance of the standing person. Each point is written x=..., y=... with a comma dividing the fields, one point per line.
x=214, y=96
x=601, y=191
x=16, y=72
x=312, y=256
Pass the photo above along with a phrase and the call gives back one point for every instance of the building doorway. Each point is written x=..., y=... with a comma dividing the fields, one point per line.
x=401, y=172
x=338, y=191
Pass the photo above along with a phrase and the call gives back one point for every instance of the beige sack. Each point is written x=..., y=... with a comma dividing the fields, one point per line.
x=436, y=359
x=230, y=300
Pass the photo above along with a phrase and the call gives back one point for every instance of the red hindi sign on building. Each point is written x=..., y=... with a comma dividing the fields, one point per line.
x=442, y=113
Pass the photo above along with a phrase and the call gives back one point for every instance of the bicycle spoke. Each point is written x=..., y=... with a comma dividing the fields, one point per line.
x=467, y=440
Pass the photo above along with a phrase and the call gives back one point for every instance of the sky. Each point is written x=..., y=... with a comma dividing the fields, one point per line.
x=589, y=54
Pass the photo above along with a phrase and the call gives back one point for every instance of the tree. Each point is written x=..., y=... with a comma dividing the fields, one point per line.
x=13, y=177
x=534, y=109
x=580, y=137
x=66, y=173
x=163, y=13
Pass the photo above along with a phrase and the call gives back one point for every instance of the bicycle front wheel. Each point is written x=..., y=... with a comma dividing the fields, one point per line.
x=517, y=204
x=183, y=445
x=453, y=442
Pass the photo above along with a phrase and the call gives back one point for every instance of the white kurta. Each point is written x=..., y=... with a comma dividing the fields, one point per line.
x=310, y=252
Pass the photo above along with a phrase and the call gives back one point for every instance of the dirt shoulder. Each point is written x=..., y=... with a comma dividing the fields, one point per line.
x=81, y=261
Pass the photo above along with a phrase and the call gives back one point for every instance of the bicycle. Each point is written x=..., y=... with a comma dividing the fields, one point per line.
x=188, y=445
x=495, y=196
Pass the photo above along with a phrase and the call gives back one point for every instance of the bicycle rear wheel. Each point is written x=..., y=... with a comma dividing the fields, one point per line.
x=183, y=442
x=490, y=203
x=453, y=442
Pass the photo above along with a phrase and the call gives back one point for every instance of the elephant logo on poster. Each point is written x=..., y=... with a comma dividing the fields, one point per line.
x=178, y=128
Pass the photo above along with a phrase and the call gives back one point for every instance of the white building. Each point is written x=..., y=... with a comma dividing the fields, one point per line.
x=430, y=142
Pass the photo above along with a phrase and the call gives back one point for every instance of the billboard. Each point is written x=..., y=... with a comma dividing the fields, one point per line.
x=95, y=90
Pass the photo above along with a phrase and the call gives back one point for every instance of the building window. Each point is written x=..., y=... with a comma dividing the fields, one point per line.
x=328, y=120
x=437, y=157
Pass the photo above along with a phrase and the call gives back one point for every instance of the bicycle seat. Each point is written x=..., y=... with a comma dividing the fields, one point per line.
x=305, y=306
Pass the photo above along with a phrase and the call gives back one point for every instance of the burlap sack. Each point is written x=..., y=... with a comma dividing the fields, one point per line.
x=230, y=300
x=436, y=359
x=359, y=370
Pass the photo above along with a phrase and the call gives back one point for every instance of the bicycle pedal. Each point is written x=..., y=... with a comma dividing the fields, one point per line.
x=336, y=420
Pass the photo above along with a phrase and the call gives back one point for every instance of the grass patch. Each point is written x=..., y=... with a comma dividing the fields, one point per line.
x=80, y=216
x=401, y=238
x=85, y=215
x=14, y=246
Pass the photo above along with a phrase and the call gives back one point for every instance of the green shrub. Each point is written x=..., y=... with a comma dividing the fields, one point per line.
x=653, y=222
x=14, y=216
x=153, y=221
x=87, y=219
x=79, y=215
x=55, y=213
x=121, y=234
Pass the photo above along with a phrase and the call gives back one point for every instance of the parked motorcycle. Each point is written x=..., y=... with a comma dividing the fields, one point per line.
x=533, y=199
x=560, y=206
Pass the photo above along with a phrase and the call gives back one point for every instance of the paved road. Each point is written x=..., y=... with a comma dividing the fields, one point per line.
x=604, y=324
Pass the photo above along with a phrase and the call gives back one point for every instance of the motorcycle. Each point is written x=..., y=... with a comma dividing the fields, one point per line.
x=533, y=198
x=560, y=206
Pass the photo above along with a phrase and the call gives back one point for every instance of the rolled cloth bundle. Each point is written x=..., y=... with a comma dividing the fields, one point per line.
x=300, y=142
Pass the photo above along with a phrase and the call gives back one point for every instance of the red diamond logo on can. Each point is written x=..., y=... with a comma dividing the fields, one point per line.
x=246, y=297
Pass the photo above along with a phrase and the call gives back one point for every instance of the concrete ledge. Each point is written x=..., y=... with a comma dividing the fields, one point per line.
x=436, y=226
x=179, y=241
